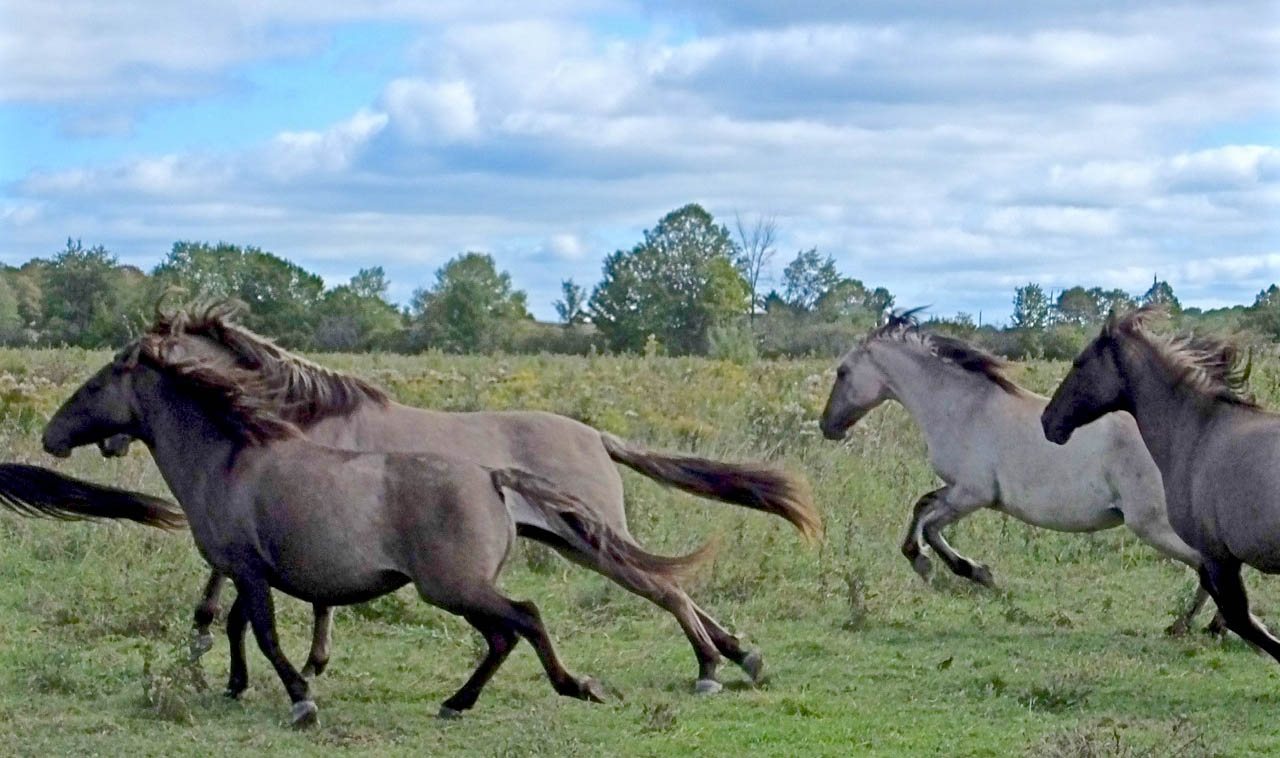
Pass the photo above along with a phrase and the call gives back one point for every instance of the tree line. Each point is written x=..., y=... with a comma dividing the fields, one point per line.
x=690, y=286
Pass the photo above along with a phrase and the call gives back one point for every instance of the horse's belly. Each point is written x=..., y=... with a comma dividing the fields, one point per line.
x=326, y=589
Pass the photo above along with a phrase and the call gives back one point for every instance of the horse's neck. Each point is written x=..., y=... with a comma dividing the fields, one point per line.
x=932, y=394
x=1170, y=416
x=185, y=444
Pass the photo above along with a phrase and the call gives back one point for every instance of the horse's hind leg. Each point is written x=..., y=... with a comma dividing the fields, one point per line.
x=1222, y=580
x=237, y=621
x=1151, y=525
x=256, y=596
x=321, y=631
x=730, y=645
x=501, y=639
x=707, y=637
x=947, y=510
x=500, y=619
x=206, y=611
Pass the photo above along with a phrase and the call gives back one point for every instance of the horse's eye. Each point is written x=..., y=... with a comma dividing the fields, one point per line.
x=842, y=372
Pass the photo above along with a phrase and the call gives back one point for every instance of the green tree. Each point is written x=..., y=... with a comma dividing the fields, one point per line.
x=572, y=306
x=85, y=297
x=281, y=295
x=11, y=331
x=357, y=316
x=1160, y=293
x=676, y=285
x=1264, y=315
x=807, y=278
x=1030, y=308
x=470, y=308
x=1077, y=306
x=1111, y=300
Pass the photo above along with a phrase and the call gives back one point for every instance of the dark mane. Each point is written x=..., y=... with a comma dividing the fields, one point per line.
x=235, y=399
x=1210, y=365
x=301, y=391
x=902, y=326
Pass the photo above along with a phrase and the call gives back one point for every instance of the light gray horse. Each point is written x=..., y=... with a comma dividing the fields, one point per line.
x=985, y=443
x=340, y=410
x=1216, y=449
x=271, y=509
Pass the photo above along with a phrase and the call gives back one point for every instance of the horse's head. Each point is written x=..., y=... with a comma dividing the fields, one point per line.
x=860, y=386
x=102, y=407
x=1095, y=386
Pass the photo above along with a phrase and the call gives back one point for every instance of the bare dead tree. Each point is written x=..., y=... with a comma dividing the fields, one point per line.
x=755, y=250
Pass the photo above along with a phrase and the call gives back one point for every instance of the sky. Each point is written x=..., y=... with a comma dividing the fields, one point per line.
x=949, y=151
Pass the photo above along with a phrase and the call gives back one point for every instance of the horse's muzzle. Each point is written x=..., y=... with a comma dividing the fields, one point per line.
x=1055, y=433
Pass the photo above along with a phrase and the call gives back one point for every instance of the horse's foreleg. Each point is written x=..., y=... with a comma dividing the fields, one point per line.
x=941, y=515
x=1222, y=580
x=1151, y=525
x=321, y=630
x=256, y=596
x=206, y=611
x=911, y=548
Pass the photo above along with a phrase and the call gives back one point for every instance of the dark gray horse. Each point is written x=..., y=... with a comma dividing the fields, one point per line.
x=269, y=508
x=336, y=409
x=1216, y=449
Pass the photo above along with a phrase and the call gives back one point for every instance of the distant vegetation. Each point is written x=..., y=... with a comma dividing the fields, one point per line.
x=689, y=287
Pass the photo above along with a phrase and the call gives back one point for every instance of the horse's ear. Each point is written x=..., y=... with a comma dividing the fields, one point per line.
x=1111, y=324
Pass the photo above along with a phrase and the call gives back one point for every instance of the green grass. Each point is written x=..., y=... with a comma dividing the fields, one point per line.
x=864, y=658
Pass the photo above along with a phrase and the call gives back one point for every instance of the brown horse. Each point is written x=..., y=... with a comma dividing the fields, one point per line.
x=270, y=508
x=1216, y=449
x=339, y=410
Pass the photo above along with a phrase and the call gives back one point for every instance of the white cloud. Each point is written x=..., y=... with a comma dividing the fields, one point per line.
x=425, y=112
x=295, y=153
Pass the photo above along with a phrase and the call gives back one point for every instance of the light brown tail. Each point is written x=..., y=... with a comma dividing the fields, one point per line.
x=572, y=522
x=752, y=485
x=36, y=491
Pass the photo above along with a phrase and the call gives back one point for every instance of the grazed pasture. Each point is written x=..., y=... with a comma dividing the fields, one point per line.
x=1069, y=659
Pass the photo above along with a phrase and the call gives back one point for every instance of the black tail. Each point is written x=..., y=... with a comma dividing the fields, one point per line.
x=36, y=491
x=576, y=527
x=752, y=485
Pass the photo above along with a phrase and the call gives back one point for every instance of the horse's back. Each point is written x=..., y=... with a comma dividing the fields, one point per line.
x=555, y=447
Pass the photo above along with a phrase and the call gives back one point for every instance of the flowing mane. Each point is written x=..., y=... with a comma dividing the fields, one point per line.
x=902, y=326
x=1210, y=365
x=303, y=392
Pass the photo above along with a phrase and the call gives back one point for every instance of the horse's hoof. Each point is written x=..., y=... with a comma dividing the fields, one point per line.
x=314, y=668
x=982, y=575
x=1217, y=627
x=201, y=643
x=233, y=693
x=592, y=690
x=707, y=687
x=1178, y=628
x=448, y=714
x=753, y=664
x=305, y=714
x=922, y=565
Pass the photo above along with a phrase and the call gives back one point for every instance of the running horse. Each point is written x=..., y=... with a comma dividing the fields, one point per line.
x=1217, y=449
x=984, y=441
x=269, y=507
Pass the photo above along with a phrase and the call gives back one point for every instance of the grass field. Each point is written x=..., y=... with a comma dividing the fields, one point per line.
x=864, y=658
